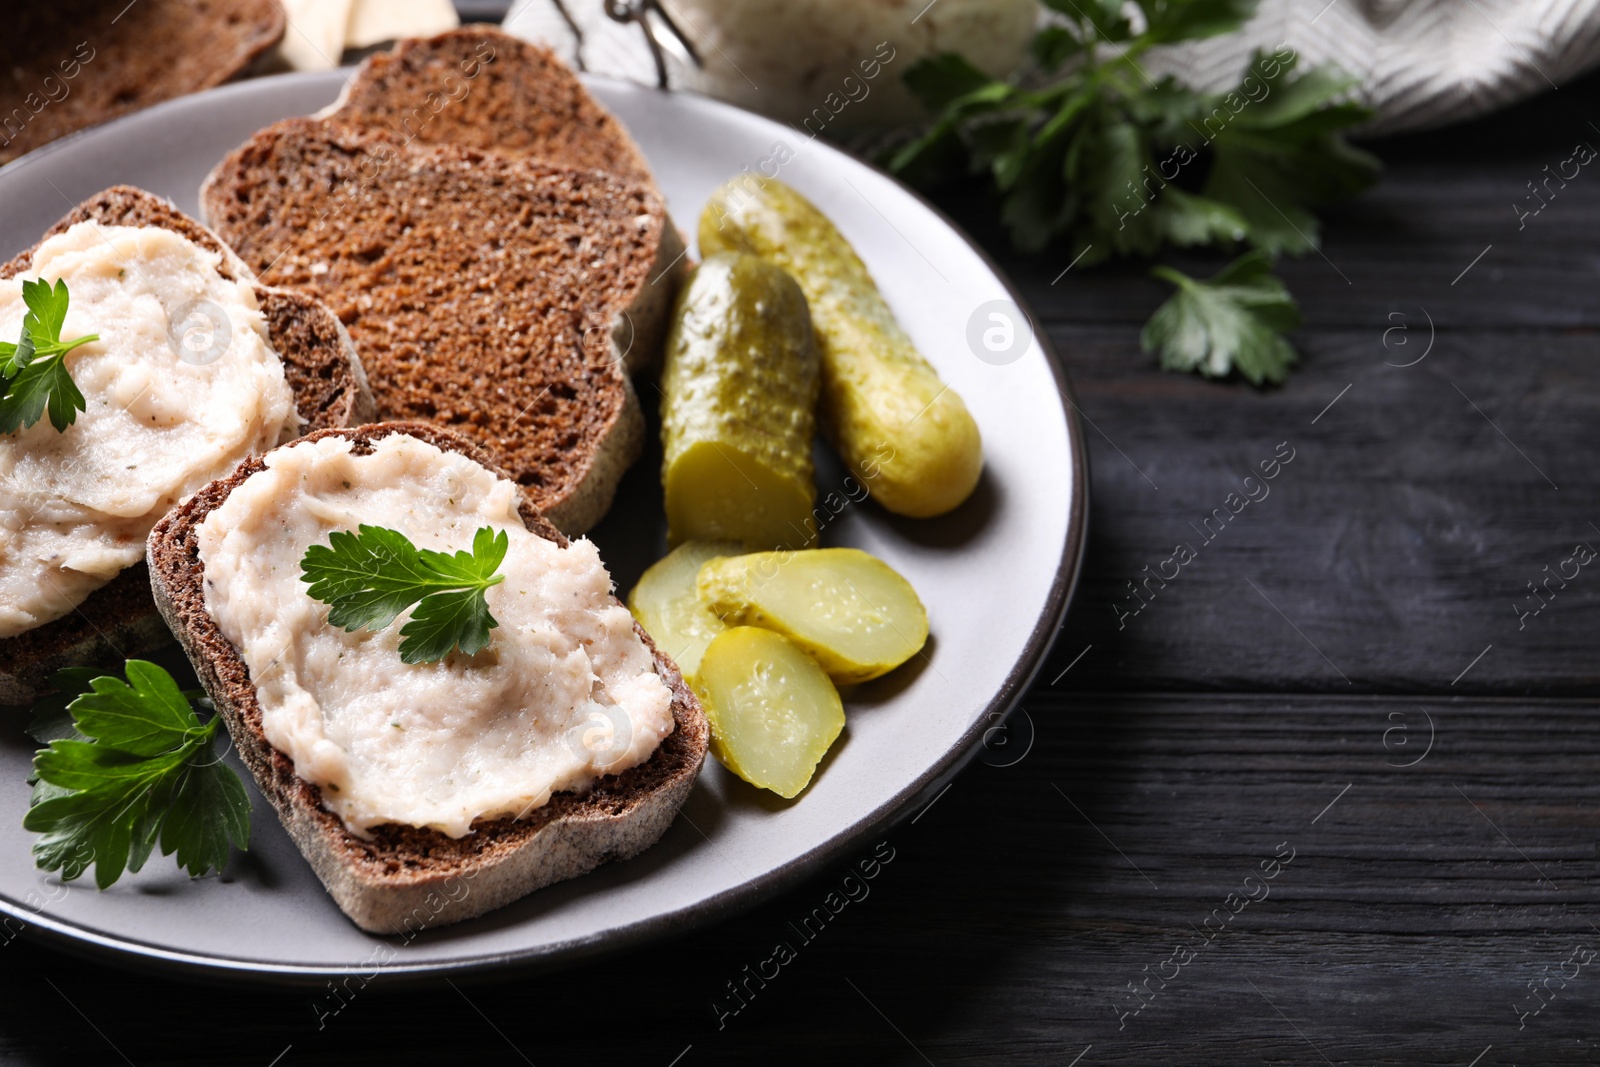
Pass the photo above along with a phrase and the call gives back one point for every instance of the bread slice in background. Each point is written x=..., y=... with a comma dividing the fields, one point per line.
x=405, y=873
x=69, y=64
x=119, y=619
x=491, y=294
x=482, y=88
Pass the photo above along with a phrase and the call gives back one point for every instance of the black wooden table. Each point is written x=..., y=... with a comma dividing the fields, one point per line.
x=1332, y=795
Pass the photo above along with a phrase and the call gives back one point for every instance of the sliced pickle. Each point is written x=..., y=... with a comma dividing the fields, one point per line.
x=667, y=606
x=851, y=611
x=773, y=711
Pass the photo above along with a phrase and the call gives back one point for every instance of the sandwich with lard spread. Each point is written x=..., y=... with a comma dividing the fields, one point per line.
x=186, y=367
x=518, y=729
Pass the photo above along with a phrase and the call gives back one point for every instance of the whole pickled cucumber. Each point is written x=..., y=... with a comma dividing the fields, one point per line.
x=738, y=408
x=899, y=428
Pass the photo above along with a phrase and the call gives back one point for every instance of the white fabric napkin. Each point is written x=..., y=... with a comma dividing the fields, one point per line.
x=1422, y=63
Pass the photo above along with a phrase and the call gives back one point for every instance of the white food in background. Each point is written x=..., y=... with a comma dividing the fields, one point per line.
x=791, y=60
x=76, y=507
x=787, y=58
x=314, y=39
x=320, y=31
x=565, y=692
x=376, y=21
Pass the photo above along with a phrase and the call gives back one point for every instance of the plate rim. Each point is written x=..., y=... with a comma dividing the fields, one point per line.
x=132, y=953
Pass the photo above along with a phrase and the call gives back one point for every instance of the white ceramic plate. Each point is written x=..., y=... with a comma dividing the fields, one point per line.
x=996, y=576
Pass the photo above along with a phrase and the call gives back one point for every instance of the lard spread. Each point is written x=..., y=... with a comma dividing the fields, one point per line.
x=565, y=692
x=162, y=421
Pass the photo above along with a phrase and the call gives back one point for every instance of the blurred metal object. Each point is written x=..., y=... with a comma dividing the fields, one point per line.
x=638, y=12
x=577, y=33
x=595, y=36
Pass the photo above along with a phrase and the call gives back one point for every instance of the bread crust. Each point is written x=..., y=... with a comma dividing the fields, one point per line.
x=406, y=878
x=120, y=620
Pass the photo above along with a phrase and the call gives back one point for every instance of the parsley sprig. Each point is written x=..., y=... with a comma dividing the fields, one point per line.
x=33, y=372
x=130, y=766
x=1236, y=317
x=371, y=576
x=1088, y=150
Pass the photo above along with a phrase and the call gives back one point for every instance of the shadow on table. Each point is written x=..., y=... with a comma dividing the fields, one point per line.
x=936, y=920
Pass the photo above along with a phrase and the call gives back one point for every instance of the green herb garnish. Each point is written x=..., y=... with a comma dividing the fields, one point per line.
x=1234, y=320
x=33, y=372
x=370, y=577
x=130, y=766
x=1088, y=150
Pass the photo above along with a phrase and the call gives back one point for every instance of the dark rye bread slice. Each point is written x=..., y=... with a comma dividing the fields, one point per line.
x=119, y=619
x=482, y=88
x=405, y=875
x=69, y=64
x=490, y=294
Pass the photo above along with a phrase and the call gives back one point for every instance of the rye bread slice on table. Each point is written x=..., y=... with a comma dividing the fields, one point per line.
x=481, y=88
x=69, y=64
x=119, y=619
x=406, y=875
x=490, y=294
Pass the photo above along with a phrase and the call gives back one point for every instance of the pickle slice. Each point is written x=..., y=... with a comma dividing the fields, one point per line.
x=773, y=712
x=738, y=407
x=851, y=611
x=669, y=609
x=898, y=427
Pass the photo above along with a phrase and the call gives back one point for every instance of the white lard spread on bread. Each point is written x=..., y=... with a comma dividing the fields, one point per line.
x=565, y=692
x=76, y=506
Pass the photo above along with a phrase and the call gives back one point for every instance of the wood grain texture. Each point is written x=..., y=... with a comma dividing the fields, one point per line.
x=1395, y=548
x=1179, y=753
x=1013, y=914
x=1402, y=540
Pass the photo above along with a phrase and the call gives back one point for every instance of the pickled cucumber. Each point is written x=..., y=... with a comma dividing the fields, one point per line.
x=849, y=610
x=738, y=407
x=900, y=429
x=667, y=606
x=772, y=710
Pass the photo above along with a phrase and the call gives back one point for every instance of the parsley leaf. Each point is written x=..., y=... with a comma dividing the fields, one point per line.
x=129, y=767
x=1192, y=20
x=13, y=358
x=942, y=80
x=1231, y=321
x=1088, y=151
x=33, y=372
x=1277, y=160
x=371, y=576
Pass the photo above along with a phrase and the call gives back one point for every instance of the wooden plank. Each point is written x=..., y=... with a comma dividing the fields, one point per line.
x=1422, y=900
x=1396, y=547
x=1416, y=904
x=1411, y=242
